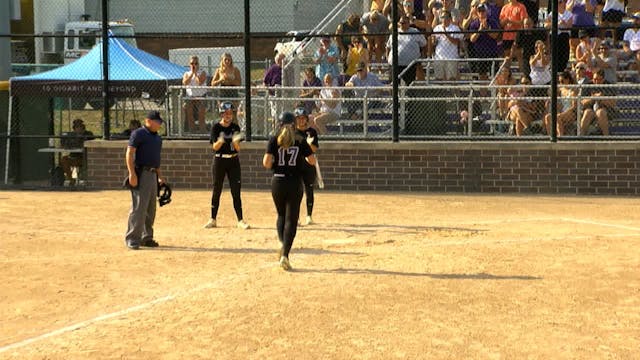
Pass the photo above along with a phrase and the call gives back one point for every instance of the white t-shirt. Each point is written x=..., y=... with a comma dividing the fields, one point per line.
x=613, y=5
x=327, y=94
x=633, y=37
x=445, y=49
x=194, y=82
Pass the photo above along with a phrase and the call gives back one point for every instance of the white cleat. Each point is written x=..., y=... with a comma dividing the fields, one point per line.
x=211, y=224
x=308, y=221
x=243, y=225
x=284, y=263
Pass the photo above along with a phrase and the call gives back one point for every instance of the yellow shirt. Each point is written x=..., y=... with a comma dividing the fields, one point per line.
x=355, y=56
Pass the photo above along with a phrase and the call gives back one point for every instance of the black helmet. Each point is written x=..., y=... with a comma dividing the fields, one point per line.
x=286, y=118
x=300, y=111
x=226, y=105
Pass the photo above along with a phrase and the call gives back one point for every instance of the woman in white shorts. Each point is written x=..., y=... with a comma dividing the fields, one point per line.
x=330, y=106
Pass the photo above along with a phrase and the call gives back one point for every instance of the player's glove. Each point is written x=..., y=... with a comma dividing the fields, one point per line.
x=310, y=140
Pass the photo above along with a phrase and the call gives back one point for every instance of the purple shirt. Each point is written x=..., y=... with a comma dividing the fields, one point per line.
x=316, y=82
x=485, y=46
x=273, y=77
x=582, y=18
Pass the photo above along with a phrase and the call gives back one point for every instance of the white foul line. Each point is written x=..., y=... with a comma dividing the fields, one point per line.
x=601, y=224
x=132, y=309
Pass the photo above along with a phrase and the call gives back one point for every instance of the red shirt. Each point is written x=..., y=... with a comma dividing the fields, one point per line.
x=512, y=12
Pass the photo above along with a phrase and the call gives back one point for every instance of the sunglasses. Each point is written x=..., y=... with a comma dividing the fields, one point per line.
x=194, y=63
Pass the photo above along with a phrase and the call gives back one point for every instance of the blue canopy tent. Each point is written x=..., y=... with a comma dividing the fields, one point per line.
x=132, y=74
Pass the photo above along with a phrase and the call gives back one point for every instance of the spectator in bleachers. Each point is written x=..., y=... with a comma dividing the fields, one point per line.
x=567, y=107
x=386, y=10
x=582, y=11
x=227, y=74
x=413, y=10
x=612, y=14
x=344, y=32
x=327, y=58
x=362, y=79
x=540, y=64
x=454, y=14
x=483, y=44
x=446, y=39
x=512, y=17
x=357, y=54
x=374, y=22
x=581, y=71
x=532, y=6
x=632, y=34
x=504, y=79
x=521, y=111
x=525, y=45
x=599, y=109
x=273, y=79
x=410, y=44
x=194, y=107
x=493, y=9
x=586, y=47
x=625, y=56
x=329, y=104
x=312, y=82
x=607, y=61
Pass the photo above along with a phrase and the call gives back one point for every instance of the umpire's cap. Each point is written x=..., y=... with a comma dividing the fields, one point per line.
x=300, y=111
x=226, y=105
x=286, y=118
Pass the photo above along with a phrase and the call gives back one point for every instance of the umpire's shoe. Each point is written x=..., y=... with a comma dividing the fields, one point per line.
x=131, y=244
x=150, y=243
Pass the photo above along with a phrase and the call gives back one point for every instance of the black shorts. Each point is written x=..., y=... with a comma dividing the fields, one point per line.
x=309, y=174
x=613, y=16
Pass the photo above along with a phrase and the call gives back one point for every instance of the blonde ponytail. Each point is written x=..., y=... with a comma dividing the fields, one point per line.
x=286, y=137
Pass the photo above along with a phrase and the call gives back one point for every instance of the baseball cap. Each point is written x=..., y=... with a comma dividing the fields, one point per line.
x=154, y=115
x=361, y=66
x=482, y=7
x=286, y=118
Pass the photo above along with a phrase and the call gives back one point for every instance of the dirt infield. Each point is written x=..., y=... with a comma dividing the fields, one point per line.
x=380, y=276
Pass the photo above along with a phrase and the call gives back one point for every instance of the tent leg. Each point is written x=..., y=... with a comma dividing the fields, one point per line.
x=8, y=144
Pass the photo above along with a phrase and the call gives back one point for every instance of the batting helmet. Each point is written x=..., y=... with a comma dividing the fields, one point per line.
x=300, y=111
x=226, y=105
x=286, y=118
x=164, y=194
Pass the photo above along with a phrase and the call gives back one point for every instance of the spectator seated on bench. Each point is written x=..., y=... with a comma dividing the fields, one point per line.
x=601, y=110
x=74, y=140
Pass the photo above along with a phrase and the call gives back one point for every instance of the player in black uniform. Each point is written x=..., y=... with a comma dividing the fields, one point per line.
x=310, y=135
x=225, y=140
x=287, y=153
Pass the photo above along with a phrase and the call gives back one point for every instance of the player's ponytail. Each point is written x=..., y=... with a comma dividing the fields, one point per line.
x=286, y=136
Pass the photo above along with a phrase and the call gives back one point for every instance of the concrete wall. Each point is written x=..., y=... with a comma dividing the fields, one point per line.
x=479, y=167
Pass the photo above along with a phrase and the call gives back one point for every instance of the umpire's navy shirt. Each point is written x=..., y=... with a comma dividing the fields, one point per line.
x=148, y=146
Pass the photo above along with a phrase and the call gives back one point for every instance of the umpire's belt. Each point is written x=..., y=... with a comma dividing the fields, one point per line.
x=148, y=168
x=226, y=156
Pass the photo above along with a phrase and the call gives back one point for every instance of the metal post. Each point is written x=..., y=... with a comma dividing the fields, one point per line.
x=105, y=70
x=553, y=109
x=394, y=70
x=365, y=114
x=470, y=112
x=247, y=69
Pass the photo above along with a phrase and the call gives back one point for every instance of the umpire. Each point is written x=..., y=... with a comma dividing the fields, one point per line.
x=143, y=163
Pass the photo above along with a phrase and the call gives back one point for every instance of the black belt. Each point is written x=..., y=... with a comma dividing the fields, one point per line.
x=147, y=168
x=226, y=156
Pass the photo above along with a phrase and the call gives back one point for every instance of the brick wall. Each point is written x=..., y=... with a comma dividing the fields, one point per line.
x=497, y=167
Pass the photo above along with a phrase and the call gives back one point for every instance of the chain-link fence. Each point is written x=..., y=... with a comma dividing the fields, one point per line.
x=465, y=69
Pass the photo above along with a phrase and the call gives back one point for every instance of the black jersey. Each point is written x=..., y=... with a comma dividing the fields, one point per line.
x=289, y=161
x=309, y=133
x=228, y=132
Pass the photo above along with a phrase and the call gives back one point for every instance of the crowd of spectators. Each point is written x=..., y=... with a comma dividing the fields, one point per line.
x=487, y=40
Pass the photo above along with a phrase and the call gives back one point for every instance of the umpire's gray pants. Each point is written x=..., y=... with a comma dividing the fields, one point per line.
x=143, y=208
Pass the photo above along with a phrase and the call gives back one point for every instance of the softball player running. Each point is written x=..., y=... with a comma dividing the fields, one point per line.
x=225, y=140
x=286, y=153
x=310, y=135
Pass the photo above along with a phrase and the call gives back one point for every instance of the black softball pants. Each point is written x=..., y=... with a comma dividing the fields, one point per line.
x=309, y=178
x=287, y=195
x=231, y=169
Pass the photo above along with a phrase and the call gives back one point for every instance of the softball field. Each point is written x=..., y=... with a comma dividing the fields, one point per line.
x=379, y=276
